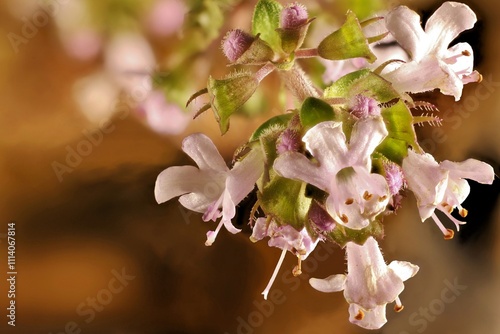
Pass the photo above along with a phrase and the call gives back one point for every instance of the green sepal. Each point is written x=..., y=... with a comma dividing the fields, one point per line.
x=258, y=53
x=276, y=122
x=314, y=111
x=347, y=42
x=265, y=21
x=363, y=82
x=341, y=235
x=229, y=94
x=399, y=123
x=285, y=201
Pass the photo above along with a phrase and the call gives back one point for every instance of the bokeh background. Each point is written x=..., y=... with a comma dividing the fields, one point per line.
x=78, y=231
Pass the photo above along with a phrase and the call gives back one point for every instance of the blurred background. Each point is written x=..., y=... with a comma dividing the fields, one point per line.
x=92, y=111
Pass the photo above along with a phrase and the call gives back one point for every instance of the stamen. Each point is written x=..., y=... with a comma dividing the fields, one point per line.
x=213, y=211
x=382, y=198
x=349, y=201
x=448, y=234
x=275, y=273
x=454, y=220
x=344, y=219
x=360, y=315
x=466, y=53
x=462, y=211
x=211, y=235
x=297, y=270
x=367, y=196
x=399, y=306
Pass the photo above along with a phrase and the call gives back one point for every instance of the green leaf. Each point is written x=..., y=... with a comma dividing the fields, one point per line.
x=347, y=42
x=285, y=201
x=265, y=21
x=399, y=123
x=280, y=122
x=363, y=82
x=314, y=111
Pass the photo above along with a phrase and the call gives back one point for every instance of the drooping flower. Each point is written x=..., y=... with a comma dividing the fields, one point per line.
x=212, y=188
x=369, y=285
x=287, y=238
x=443, y=186
x=433, y=65
x=356, y=195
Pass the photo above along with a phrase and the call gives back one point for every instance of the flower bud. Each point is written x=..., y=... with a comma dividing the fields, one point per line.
x=235, y=43
x=395, y=177
x=362, y=106
x=294, y=23
x=289, y=141
x=293, y=16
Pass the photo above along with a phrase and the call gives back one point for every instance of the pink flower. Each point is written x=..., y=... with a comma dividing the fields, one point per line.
x=433, y=64
x=443, y=186
x=212, y=188
x=369, y=285
x=163, y=117
x=356, y=196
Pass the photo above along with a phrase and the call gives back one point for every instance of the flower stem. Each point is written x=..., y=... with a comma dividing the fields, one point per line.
x=306, y=53
x=298, y=83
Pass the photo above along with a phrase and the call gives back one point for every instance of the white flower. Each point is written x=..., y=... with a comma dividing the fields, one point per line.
x=443, y=186
x=344, y=170
x=433, y=64
x=287, y=238
x=369, y=285
x=212, y=186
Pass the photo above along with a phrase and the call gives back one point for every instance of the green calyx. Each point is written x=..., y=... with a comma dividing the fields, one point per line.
x=229, y=94
x=347, y=42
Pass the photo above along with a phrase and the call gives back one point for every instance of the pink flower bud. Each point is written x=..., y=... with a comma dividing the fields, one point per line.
x=236, y=43
x=362, y=106
x=293, y=16
x=395, y=177
x=289, y=141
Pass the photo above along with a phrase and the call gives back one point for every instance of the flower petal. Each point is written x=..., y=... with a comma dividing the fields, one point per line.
x=296, y=166
x=244, y=175
x=179, y=180
x=332, y=283
x=447, y=22
x=426, y=75
x=369, y=283
x=369, y=319
x=366, y=135
x=203, y=151
x=403, y=269
x=471, y=169
x=404, y=24
x=259, y=230
x=228, y=212
x=426, y=180
x=327, y=143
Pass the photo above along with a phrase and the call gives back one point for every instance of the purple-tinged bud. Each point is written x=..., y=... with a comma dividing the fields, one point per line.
x=362, y=106
x=289, y=141
x=235, y=43
x=320, y=219
x=394, y=177
x=293, y=16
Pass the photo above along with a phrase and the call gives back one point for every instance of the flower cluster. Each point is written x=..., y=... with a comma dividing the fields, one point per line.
x=334, y=167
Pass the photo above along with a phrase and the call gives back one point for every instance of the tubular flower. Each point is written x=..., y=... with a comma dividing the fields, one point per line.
x=433, y=64
x=212, y=188
x=356, y=196
x=443, y=186
x=369, y=285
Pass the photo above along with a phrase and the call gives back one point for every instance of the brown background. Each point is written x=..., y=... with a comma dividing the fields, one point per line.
x=102, y=217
